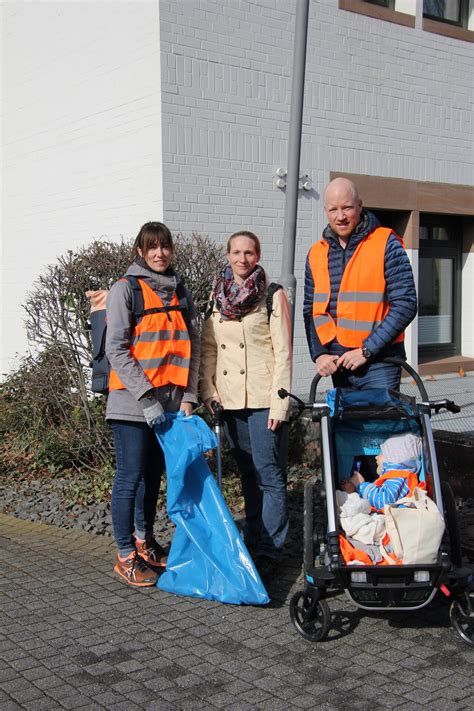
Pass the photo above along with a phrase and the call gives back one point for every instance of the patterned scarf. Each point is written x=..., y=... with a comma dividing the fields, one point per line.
x=234, y=301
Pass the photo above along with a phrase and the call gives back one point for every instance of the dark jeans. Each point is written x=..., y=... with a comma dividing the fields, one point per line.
x=370, y=375
x=139, y=466
x=261, y=457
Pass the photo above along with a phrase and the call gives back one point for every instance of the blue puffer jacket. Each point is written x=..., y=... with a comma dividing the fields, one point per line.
x=400, y=289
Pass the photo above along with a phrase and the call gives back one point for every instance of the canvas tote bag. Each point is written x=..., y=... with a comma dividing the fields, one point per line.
x=415, y=531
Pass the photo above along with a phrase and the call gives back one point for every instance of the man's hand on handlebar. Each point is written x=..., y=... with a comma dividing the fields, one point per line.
x=351, y=360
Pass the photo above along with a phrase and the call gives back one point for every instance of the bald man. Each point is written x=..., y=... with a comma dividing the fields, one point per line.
x=359, y=294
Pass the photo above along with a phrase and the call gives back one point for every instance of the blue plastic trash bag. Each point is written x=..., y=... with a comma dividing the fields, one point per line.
x=208, y=557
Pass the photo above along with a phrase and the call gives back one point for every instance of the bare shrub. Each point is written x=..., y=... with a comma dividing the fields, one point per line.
x=197, y=260
x=47, y=403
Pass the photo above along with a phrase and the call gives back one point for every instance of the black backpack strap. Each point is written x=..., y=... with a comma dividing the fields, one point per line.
x=138, y=308
x=183, y=302
x=182, y=298
x=162, y=309
x=209, y=310
x=273, y=287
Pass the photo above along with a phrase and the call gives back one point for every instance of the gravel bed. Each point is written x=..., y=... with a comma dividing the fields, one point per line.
x=44, y=500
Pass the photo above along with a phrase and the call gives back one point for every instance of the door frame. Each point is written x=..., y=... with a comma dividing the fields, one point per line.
x=449, y=249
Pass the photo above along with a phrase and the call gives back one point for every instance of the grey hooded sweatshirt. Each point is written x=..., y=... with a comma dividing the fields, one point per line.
x=123, y=404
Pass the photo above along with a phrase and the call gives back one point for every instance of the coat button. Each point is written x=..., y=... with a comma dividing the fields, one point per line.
x=242, y=372
x=242, y=345
x=223, y=345
x=224, y=372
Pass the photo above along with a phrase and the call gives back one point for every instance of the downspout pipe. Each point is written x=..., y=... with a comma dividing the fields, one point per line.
x=287, y=278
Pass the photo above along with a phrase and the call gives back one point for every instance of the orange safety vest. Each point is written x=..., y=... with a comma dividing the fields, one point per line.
x=160, y=343
x=412, y=479
x=362, y=302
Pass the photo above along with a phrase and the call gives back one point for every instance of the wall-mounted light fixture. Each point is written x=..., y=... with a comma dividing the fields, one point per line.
x=305, y=182
x=280, y=176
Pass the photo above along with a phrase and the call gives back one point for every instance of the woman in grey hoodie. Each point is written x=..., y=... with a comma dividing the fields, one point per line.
x=154, y=369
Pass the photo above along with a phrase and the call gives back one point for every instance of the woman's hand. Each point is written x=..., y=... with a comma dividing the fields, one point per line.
x=187, y=408
x=273, y=425
x=209, y=401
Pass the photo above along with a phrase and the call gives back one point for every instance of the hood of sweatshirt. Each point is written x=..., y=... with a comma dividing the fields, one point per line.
x=164, y=283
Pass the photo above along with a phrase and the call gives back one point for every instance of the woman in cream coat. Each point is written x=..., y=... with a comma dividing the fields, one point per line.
x=245, y=359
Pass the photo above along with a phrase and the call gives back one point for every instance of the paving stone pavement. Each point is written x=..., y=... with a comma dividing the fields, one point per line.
x=72, y=636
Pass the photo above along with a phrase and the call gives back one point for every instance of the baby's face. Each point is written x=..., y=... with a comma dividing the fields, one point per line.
x=379, y=460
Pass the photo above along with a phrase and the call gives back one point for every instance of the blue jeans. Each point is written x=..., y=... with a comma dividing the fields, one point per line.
x=139, y=466
x=261, y=456
x=370, y=375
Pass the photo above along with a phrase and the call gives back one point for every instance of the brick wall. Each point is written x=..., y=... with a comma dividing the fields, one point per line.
x=381, y=99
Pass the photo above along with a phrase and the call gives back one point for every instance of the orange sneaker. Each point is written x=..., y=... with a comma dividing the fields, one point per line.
x=135, y=571
x=151, y=552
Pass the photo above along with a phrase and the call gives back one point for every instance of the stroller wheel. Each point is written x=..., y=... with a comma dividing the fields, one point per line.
x=310, y=615
x=461, y=615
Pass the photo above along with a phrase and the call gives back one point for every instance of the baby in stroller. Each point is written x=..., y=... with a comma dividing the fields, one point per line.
x=398, y=466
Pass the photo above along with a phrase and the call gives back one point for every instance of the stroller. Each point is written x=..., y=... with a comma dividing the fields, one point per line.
x=355, y=424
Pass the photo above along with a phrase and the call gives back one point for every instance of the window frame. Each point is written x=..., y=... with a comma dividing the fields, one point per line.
x=389, y=4
x=379, y=12
x=463, y=16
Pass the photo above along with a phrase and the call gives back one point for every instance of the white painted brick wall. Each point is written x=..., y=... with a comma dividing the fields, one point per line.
x=81, y=135
x=381, y=99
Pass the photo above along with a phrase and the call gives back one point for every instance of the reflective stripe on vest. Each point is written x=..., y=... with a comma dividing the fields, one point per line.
x=361, y=303
x=160, y=343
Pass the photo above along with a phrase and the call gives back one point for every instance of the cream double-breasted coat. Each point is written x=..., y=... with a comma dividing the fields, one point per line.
x=246, y=361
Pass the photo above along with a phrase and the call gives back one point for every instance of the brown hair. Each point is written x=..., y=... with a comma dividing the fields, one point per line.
x=250, y=235
x=152, y=234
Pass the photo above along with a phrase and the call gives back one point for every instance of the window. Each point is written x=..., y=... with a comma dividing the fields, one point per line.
x=452, y=11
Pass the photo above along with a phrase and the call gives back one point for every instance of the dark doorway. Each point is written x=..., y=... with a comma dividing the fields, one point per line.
x=397, y=220
x=439, y=286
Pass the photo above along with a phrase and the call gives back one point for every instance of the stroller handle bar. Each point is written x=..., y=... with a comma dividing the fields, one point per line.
x=435, y=405
x=395, y=361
